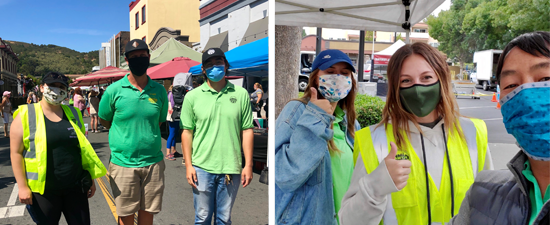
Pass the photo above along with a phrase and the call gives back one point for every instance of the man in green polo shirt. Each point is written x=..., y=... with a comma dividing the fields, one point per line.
x=133, y=108
x=520, y=195
x=216, y=118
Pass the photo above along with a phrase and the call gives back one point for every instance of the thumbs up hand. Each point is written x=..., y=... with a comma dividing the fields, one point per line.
x=321, y=103
x=399, y=169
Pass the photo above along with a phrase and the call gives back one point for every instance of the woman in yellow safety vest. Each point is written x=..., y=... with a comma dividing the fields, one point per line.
x=416, y=165
x=52, y=161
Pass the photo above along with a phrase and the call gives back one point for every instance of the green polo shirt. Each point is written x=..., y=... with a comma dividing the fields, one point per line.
x=535, y=194
x=341, y=163
x=217, y=120
x=134, y=137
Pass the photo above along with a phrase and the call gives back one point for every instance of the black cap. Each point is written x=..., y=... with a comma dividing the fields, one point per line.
x=212, y=52
x=55, y=77
x=134, y=45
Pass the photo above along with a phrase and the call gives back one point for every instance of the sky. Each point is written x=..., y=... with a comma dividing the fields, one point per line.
x=81, y=25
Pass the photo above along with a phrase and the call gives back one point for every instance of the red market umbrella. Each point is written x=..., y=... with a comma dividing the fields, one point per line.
x=106, y=75
x=171, y=68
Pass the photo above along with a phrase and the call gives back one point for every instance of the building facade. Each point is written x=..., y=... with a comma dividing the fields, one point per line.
x=8, y=69
x=227, y=24
x=111, y=53
x=148, y=17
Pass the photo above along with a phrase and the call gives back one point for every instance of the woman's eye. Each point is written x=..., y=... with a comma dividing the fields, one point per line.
x=428, y=77
x=510, y=86
x=404, y=81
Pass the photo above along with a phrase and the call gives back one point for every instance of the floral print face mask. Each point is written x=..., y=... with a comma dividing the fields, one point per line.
x=334, y=87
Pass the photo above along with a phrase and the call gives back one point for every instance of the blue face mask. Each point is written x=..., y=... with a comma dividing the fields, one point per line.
x=526, y=116
x=215, y=73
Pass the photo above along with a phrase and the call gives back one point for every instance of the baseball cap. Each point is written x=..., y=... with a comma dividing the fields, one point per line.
x=55, y=77
x=6, y=93
x=327, y=58
x=211, y=52
x=135, y=45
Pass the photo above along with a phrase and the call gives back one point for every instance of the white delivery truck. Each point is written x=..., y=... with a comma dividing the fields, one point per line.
x=306, y=61
x=485, y=66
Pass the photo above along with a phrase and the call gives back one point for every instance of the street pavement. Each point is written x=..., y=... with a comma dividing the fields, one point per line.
x=251, y=204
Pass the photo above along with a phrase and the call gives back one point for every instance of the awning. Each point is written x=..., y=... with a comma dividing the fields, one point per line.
x=172, y=49
x=218, y=41
x=171, y=68
x=256, y=31
x=248, y=60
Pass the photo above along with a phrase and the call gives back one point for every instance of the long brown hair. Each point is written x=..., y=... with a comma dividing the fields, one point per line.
x=347, y=104
x=259, y=86
x=394, y=111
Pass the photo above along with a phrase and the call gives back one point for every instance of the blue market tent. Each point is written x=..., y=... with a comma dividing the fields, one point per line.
x=246, y=60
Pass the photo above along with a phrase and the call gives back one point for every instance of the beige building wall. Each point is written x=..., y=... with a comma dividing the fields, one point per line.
x=180, y=15
x=143, y=29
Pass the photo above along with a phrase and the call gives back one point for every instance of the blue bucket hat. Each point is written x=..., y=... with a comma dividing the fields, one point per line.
x=329, y=57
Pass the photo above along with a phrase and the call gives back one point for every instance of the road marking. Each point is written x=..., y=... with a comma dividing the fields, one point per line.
x=108, y=196
x=12, y=210
x=492, y=119
x=14, y=195
x=477, y=107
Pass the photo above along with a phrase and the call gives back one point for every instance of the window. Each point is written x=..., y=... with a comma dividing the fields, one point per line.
x=137, y=20
x=143, y=15
x=144, y=39
x=420, y=30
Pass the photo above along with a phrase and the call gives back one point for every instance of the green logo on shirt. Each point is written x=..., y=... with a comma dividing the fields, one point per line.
x=233, y=99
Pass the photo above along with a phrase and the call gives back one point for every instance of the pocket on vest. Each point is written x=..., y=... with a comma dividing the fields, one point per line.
x=407, y=197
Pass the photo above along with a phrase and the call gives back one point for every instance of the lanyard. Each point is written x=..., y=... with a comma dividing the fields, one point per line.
x=426, y=173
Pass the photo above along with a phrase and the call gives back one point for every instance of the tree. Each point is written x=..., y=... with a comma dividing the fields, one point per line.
x=304, y=33
x=287, y=56
x=369, y=36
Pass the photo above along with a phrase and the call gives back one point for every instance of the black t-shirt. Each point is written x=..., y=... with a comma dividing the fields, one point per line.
x=64, y=165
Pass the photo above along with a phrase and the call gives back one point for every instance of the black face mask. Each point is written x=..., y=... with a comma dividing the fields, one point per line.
x=138, y=65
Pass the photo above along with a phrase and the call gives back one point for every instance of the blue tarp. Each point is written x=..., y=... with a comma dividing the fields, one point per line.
x=247, y=60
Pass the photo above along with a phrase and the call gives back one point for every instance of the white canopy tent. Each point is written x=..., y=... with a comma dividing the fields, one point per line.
x=392, y=49
x=372, y=15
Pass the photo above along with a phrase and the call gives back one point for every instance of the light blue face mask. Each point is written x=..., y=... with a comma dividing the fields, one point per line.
x=526, y=116
x=216, y=73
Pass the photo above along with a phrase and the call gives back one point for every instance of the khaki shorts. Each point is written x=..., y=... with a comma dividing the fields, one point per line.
x=136, y=189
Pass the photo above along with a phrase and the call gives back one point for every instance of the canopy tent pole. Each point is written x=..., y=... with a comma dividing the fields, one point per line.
x=318, y=41
x=361, y=57
x=407, y=25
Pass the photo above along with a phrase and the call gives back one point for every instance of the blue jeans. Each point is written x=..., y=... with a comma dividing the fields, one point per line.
x=174, y=130
x=212, y=195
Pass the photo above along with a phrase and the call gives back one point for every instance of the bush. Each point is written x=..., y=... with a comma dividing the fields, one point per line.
x=368, y=109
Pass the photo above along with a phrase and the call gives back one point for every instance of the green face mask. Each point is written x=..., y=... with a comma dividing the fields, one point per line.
x=420, y=100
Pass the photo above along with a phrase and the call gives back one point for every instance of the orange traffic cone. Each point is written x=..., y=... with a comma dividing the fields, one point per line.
x=494, y=98
x=498, y=105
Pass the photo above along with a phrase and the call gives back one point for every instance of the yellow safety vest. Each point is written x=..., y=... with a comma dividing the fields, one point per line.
x=410, y=203
x=35, y=143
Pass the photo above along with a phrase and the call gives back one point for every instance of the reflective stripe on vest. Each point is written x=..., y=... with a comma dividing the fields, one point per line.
x=75, y=116
x=32, y=129
x=409, y=205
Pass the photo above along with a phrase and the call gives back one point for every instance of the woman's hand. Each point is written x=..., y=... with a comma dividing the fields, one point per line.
x=399, y=170
x=321, y=103
x=91, y=192
x=25, y=195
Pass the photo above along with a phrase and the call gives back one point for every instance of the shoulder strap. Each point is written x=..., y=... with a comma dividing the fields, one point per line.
x=75, y=116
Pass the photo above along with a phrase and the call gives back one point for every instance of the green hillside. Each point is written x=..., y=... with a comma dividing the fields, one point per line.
x=37, y=60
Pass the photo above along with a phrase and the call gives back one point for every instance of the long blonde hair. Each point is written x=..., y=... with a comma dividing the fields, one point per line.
x=347, y=104
x=259, y=86
x=394, y=111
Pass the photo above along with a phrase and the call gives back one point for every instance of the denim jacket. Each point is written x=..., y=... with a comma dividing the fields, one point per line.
x=303, y=184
